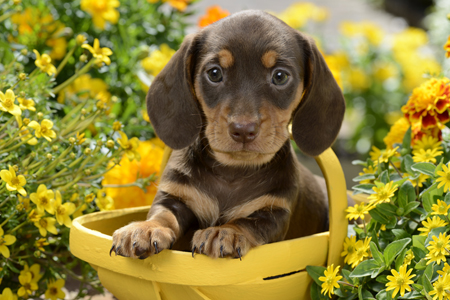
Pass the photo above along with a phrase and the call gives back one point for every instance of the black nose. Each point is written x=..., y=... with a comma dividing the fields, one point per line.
x=243, y=133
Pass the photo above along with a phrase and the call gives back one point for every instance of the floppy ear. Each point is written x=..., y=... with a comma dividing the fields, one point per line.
x=319, y=115
x=171, y=103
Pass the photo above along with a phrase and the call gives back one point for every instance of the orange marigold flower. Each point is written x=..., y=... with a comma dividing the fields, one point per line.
x=447, y=48
x=213, y=14
x=429, y=104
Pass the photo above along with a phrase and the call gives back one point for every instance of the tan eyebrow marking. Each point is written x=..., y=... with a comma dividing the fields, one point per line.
x=226, y=59
x=269, y=58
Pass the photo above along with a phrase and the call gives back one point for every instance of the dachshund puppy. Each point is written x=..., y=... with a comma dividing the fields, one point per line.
x=224, y=103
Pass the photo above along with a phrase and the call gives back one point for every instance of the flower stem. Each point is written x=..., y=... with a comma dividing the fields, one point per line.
x=6, y=16
x=83, y=70
x=66, y=58
x=19, y=226
x=4, y=201
x=400, y=174
x=347, y=284
x=9, y=218
x=7, y=123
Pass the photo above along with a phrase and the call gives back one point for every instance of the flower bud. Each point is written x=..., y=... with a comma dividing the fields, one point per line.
x=110, y=144
x=72, y=155
x=22, y=262
x=18, y=67
x=37, y=253
x=55, y=148
x=49, y=156
x=80, y=39
x=22, y=76
x=87, y=172
x=83, y=57
x=75, y=186
x=72, y=140
x=22, y=94
x=24, y=51
x=40, y=115
x=89, y=198
x=117, y=126
x=26, y=121
x=22, y=247
x=87, y=151
x=16, y=168
x=83, y=111
x=19, y=207
x=33, y=154
x=99, y=143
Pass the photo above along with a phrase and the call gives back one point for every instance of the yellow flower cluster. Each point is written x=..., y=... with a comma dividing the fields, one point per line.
x=356, y=251
x=157, y=60
x=298, y=14
x=368, y=30
x=102, y=11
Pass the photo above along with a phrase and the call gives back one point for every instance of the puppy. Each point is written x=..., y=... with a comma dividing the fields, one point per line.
x=224, y=103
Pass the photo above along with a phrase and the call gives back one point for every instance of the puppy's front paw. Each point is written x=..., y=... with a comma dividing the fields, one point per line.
x=221, y=241
x=142, y=239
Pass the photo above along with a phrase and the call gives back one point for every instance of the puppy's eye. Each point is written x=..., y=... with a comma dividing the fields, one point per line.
x=279, y=77
x=215, y=75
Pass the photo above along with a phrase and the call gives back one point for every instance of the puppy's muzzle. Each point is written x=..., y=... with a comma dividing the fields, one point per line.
x=243, y=132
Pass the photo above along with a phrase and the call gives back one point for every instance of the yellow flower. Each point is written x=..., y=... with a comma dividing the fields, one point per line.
x=44, y=129
x=441, y=208
x=426, y=155
x=127, y=171
x=7, y=294
x=44, y=63
x=43, y=199
x=35, y=271
x=157, y=60
x=368, y=170
x=444, y=179
x=103, y=201
x=400, y=281
x=408, y=257
x=89, y=198
x=25, y=135
x=5, y=240
x=54, y=291
x=59, y=47
x=24, y=203
x=445, y=270
x=26, y=104
x=63, y=211
x=438, y=248
x=84, y=87
x=101, y=11
x=419, y=181
x=430, y=224
x=46, y=224
x=13, y=182
x=101, y=54
x=362, y=250
x=7, y=103
x=396, y=133
x=383, y=193
x=427, y=142
x=40, y=243
x=368, y=30
x=298, y=14
x=28, y=286
x=440, y=288
x=117, y=126
x=330, y=280
x=34, y=216
x=80, y=138
x=130, y=146
x=349, y=248
x=358, y=211
x=358, y=79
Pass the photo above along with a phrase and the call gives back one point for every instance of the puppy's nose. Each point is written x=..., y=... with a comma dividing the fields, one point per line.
x=243, y=133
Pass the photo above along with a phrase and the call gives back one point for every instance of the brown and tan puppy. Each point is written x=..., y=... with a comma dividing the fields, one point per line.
x=223, y=103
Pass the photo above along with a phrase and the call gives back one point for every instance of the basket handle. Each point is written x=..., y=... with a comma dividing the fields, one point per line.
x=337, y=200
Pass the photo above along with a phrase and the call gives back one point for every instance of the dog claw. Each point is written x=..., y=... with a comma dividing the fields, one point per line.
x=117, y=251
x=193, y=251
x=201, y=248
x=221, y=251
x=112, y=248
x=239, y=253
x=171, y=245
x=134, y=244
x=155, y=244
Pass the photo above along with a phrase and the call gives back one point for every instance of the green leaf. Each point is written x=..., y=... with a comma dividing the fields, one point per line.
x=400, y=234
x=419, y=242
x=376, y=254
x=364, y=188
x=384, y=177
x=418, y=253
x=387, y=209
x=393, y=249
x=439, y=167
x=407, y=140
x=359, y=162
x=430, y=196
x=375, y=273
x=429, y=271
x=382, y=279
x=424, y=168
x=426, y=284
x=400, y=259
x=366, y=295
x=364, y=177
x=379, y=217
x=412, y=295
x=410, y=207
x=365, y=268
x=406, y=194
x=407, y=162
x=421, y=265
x=447, y=198
x=315, y=272
x=315, y=292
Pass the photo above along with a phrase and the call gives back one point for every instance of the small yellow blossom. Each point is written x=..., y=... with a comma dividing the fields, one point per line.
x=368, y=170
x=349, y=248
x=440, y=288
x=6, y=240
x=44, y=129
x=117, y=126
x=80, y=39
x=130, y=146
x=445, y=270
x=430, y=224
x=54, y=291
x=103, y=201
x=89, y=198
x=35, y=271
x=438, y=248
x=25, y=104
x=7, y=103
x=24, y=203
x=408, y=257
x=362, y=250
x=428, y=155
x=400, y=281
x=157, y=60
x=358, y=211
x=27, y=285
x=44, y=63
x=101, y=11
x=25, y=135
x=40, y=243
x=444, y=178
x=63, y=211
x=34, y=216
x=46, y=224
x=382, y=194
x=419, y=181
x=441, y=208
x=330, y=280
x=7, y=294
x=101, y=54
x=80, y=138
x=43, y=199
x=13, y=182
x=427, y=142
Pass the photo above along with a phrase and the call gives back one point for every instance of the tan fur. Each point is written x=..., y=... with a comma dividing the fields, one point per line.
x=246, y=209
x=269, y=59
x=205, y=208
x=226, y=59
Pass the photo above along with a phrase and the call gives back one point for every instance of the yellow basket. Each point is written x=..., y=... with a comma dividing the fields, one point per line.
x=272, y=271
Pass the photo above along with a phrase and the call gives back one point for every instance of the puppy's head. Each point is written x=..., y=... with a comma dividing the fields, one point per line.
x=244, y=79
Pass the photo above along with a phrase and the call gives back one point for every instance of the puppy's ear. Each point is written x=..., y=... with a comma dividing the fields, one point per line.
x=171, y=103
x=319, y=115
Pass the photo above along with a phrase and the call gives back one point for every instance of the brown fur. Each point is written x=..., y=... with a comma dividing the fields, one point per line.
x=233, y=181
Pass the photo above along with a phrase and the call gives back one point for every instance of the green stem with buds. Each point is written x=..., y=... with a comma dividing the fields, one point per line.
x=83, y=70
